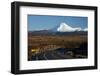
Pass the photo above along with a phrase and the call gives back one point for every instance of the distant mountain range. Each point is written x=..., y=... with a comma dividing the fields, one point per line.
x=63, y=29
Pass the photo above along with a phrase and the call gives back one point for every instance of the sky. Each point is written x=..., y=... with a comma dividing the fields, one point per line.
x=45, y=22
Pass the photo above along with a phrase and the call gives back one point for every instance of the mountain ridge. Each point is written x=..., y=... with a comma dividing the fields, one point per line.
x=63, y=29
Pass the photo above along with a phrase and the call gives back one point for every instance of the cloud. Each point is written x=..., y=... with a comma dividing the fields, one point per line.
x=66, y=28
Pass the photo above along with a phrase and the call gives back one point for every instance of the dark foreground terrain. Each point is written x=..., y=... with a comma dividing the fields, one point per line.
x=59, y=54
x=53, y=47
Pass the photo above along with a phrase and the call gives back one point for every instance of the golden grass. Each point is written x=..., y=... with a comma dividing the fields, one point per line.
x=68, y=41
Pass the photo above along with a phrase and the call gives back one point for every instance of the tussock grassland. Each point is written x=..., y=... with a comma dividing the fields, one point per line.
x=66, y=41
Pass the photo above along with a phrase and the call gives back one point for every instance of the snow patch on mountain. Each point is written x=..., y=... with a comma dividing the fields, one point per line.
x=86, y=29
x=66, y=28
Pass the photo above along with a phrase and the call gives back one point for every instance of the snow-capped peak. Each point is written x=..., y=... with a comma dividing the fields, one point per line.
x=86, y=29
x=66, y=28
